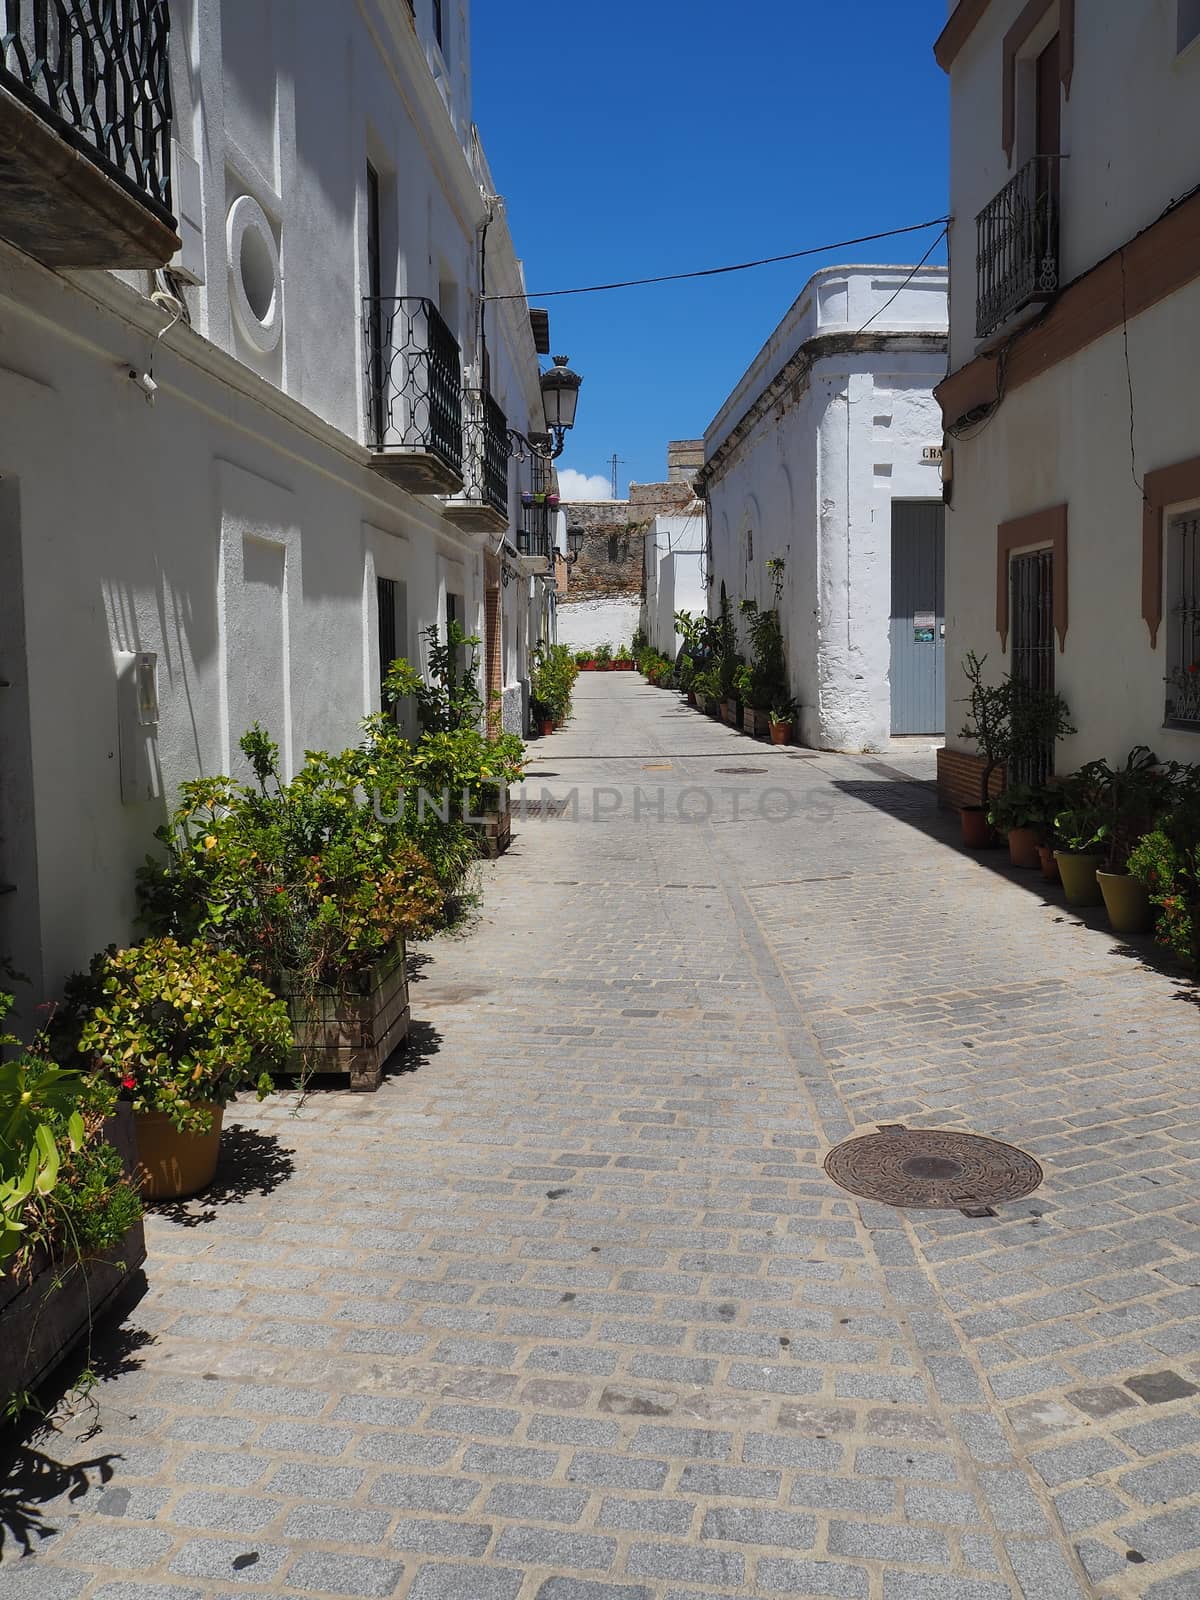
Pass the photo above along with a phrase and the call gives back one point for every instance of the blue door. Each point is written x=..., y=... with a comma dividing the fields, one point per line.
x=918, y=674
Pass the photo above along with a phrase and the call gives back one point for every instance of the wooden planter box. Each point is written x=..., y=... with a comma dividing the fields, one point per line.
x=353, y=1034
x=42, y=1320
x=729, y=712
x=495, y=833
x=757, y=723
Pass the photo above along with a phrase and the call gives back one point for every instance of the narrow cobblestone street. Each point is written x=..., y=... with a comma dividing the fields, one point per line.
x=569, y=1309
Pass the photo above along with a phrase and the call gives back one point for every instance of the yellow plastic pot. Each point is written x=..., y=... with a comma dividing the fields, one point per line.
x=173, y=1164
x=1078, y=874
x=1126, y=901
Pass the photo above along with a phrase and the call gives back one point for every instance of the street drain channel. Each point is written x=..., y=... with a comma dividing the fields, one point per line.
x=933, y=1169
x=741, y=772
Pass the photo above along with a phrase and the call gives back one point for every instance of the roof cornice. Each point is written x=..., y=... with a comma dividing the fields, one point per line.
x=963, y=21
x=794, y=374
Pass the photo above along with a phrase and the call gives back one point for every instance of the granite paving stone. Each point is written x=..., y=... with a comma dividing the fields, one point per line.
x=569, y=1310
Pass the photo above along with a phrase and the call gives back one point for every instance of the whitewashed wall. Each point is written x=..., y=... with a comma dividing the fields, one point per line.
x=1065, y=439
x=583, y=623
x=234, y=527
x=813, y=482
x=1128, y=128
x=675, y=578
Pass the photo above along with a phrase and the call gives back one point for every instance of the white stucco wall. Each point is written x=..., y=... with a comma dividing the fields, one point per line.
x=583, y=623
x=1064, y=438
x=676, y=580
x=813, y=480
x=1128, y=127
x=234, y=527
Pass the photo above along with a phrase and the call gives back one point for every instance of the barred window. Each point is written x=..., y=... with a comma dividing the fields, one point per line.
x=1183, y=620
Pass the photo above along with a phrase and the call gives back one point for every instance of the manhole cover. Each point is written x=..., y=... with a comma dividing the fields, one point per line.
x=933, y=1169
x=740, y=772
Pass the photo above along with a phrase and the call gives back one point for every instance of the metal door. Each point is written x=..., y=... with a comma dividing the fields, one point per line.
x=918, y=629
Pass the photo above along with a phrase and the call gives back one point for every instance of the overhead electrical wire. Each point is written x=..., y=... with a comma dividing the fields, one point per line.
x=740, y=266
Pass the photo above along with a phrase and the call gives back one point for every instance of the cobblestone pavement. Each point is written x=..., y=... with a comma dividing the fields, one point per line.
x=569, y=1310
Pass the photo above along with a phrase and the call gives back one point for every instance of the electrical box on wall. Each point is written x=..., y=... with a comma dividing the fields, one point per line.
x=137, y=725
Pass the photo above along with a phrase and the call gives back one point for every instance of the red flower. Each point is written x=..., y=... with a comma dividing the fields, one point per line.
x=128, y=1083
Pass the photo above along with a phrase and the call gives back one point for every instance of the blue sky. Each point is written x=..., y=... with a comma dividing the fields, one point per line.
x=694, y=134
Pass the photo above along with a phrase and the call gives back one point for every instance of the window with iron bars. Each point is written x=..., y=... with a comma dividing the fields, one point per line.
x=533, y=535
x=1031, y=610
x=1183, y=620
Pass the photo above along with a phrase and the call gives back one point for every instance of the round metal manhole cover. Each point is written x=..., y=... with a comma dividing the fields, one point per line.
x=933, y=1169
x=741, y=772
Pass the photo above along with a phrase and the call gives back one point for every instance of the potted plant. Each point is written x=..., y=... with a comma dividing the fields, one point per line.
x=311, y=887
x=70, y=1214
x=177, y=1030
x=1166, y=862
x=623, y=661
x=764, y=685
x=783, y=721
x=1022, y=812
x=1007, y=721
x=1079, y=827
x=707, y=687
x=603, y=657
x=1132, y=797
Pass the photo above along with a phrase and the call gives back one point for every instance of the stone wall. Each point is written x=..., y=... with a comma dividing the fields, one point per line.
x=614, y=532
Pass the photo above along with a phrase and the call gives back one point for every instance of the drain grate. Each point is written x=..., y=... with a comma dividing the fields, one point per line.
x=741, y=772
x=933, y=1169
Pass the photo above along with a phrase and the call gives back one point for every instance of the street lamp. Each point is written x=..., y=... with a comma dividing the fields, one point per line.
x=574, y=543
x=560, y=396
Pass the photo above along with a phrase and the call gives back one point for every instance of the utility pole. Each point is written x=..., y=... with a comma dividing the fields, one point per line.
x=617, y=461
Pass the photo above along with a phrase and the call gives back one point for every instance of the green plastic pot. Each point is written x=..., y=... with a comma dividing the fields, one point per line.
x=1078, y=874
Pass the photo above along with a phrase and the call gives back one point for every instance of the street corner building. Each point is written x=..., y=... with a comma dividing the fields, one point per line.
x=258, y=434
x=825, y=457
x=1072, y=434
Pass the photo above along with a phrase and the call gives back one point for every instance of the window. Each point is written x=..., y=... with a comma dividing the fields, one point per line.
x=1032, y=611
x=749, y=544
x=1183, y=619
x=392, y=624
x=1188, y=27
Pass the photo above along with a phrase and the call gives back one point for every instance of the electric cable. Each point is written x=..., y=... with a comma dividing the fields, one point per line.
x=740, y=266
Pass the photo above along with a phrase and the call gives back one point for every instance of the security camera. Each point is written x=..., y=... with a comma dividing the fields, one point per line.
x=144, y=382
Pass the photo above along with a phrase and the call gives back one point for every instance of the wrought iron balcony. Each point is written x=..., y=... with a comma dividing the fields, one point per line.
x=414, y=394
x=483, y=504
x=85, y=132
x=1017, y=245
x=533, y=529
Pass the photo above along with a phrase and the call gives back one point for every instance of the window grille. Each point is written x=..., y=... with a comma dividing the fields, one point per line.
x=1183, y=620
x=1031, y=611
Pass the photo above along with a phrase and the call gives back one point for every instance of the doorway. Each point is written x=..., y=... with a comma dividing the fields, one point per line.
x=918, y=622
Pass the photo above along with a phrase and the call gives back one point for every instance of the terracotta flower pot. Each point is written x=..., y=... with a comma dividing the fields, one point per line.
x=781, y=733
x=691, y=697
x=546, y=726
x=1126, y=901
x=1048, y=864
x=1078, y=874
x=976, y=829
x=1023, y=848
x=173, y=1164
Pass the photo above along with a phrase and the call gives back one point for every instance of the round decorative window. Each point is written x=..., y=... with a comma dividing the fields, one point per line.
x=254, y=281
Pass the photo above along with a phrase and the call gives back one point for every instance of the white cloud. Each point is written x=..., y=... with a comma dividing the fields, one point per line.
x=574, y=485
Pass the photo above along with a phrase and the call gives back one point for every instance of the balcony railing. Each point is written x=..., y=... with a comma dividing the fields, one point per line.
x=1017, y=245
x=414, y=394
x=533, y=532
x=90, y=79
x=483, y=503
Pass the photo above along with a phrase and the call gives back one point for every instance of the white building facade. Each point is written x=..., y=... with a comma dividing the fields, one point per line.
x=676, y=578
x=231, y=490
x=825, y=458
x=1073, y=440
